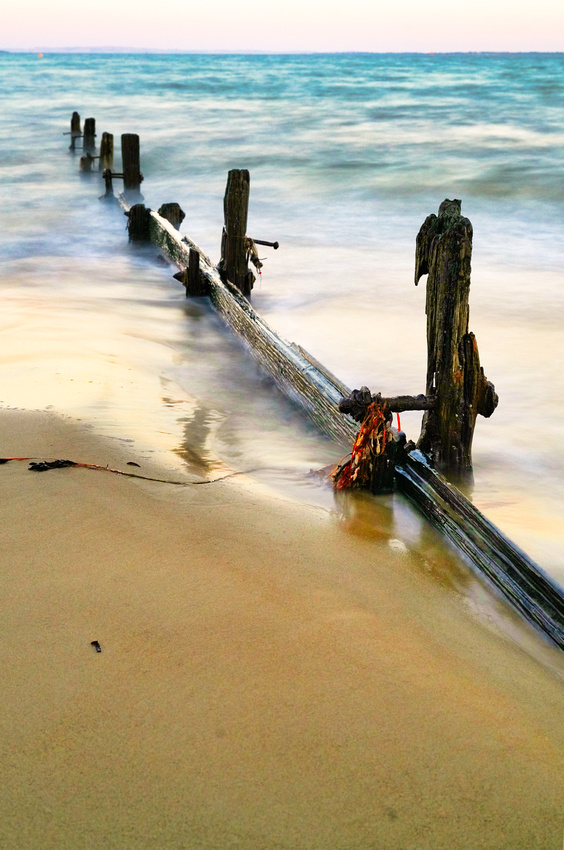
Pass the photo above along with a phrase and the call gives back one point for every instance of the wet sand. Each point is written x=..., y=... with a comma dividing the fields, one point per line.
x=269, y=676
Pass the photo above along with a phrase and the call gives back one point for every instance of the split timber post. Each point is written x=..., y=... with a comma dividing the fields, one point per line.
x=89, y=138
x=86, y=163
x=109, y=193
x=193, y=277
x=138, y=223
x=75, y=131
x=132, y=176
x=457, y=389
x=106, y=152
x=454, y=374
x=195, y=283
x=233, y=263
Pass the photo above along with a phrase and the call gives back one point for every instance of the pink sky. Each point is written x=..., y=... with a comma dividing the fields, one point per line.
x=290, y=25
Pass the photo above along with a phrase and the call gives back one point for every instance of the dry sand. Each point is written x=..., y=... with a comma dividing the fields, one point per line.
x=268, y=677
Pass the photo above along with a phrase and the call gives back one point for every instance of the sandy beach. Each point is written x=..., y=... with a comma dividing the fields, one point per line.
x=272, y=675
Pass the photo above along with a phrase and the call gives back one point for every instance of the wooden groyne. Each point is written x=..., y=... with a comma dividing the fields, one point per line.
x=456, y=391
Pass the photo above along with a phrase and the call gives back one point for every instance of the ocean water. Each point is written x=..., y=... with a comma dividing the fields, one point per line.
x=348, y=154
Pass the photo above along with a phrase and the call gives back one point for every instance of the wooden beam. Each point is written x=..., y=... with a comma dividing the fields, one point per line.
x=356, y=403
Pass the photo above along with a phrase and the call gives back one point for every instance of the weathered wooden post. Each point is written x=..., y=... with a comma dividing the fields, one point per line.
x=173, y=212
x=454, y=375
x=75, y=131
x=233, y=263
x=89, y=138
x=86, y=163
x=130, y=173
x=195, y=283
x=139, y=223
x=106, y=152
x=132, y=176
x=109, y=192
x=192, y=277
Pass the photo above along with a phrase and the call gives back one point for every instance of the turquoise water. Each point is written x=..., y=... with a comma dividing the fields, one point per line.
x=348, y=154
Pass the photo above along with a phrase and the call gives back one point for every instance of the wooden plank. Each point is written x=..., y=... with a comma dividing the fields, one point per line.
x=318, y=392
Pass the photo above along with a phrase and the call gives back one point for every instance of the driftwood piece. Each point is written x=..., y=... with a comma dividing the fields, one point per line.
x=454, y=374
x=233, y=262
x=106, y=152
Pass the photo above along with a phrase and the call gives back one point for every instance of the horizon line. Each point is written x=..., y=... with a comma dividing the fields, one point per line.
x=132, y=51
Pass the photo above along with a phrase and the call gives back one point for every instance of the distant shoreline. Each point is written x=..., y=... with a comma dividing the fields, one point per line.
x=151, y=51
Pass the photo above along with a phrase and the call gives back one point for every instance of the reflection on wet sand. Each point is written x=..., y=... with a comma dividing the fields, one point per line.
x=196, y=449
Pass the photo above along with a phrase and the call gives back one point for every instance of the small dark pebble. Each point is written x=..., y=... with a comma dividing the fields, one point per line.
x=96, y=645
x=132, y=463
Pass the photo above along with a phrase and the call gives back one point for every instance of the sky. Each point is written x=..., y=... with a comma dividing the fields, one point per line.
x=287, y=26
